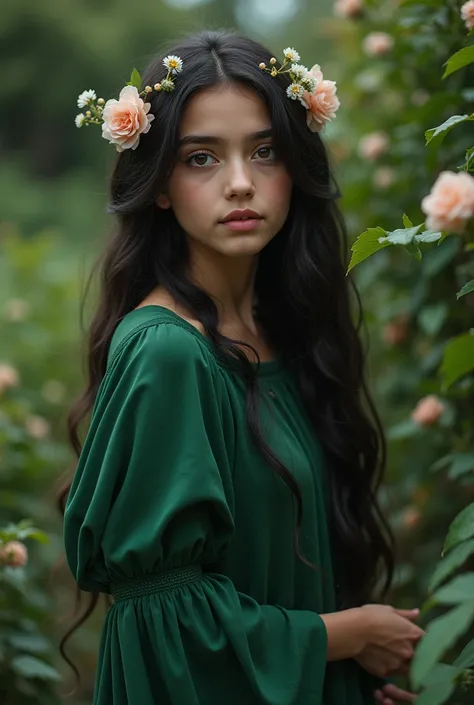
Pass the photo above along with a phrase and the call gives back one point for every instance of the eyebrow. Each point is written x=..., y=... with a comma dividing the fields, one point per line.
x=210, y=139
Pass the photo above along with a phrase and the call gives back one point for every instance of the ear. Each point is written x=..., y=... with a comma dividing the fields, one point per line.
x=163, y=201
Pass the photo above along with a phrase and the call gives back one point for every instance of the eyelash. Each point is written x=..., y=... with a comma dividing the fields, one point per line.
x=206, y=154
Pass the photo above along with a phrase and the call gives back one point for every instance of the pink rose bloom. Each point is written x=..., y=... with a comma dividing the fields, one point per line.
x=467, y=13
x=373, y=145
x=37, y=427
x=395, y=332
x=428, y=411
x=384, y=177
x=377, y=43
x=8, y=377
x=348, y=8
x=450, y=204
x=14, y=554
x=323, y=103
x=126, y=119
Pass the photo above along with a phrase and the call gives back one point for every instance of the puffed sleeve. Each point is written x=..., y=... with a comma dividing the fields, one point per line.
x=150, y=508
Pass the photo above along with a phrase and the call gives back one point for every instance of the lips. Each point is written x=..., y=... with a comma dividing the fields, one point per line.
x=246, y=214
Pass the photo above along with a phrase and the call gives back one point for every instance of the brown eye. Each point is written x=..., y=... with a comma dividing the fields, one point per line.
x=266, y=153
x=199, y=159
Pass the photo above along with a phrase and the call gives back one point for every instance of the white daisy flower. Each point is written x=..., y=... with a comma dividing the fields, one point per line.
x=291, y=55
x=310, y=83
x=80, y=119
x=167, y=84
x=299, y=70
x=173, y=63
x=295, y=91
x=85, y=98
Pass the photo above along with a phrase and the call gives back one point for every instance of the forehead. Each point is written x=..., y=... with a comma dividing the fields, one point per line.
x=226, y=111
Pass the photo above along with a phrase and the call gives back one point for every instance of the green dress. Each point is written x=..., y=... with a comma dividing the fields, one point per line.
x=175, y=513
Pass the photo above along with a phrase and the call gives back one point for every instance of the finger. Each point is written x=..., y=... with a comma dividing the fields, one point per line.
x=379, y=696
x=408, y=614
x=392, y=691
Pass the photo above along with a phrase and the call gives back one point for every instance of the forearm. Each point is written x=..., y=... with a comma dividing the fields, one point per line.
x=345, y=634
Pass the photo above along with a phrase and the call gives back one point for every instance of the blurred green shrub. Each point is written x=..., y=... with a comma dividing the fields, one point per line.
x=423, y=366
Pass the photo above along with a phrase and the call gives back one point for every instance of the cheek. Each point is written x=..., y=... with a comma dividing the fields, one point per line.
x=188, y=197
x=279, y=190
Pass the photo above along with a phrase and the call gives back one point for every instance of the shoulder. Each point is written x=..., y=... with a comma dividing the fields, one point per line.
x=155, y=340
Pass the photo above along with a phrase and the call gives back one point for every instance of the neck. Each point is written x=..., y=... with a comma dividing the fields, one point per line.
x=229, y=281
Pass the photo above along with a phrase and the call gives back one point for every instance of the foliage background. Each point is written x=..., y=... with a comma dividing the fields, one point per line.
x=53, y=223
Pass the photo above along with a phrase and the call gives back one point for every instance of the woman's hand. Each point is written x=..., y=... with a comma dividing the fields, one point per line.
x=389, y=640
x=391, y=695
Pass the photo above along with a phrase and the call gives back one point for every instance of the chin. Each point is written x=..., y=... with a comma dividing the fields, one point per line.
x=244, y=245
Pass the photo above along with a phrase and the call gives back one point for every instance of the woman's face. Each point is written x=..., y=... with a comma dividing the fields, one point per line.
x=227, y=163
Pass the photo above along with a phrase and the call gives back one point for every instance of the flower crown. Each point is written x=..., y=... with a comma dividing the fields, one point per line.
x=125, y=119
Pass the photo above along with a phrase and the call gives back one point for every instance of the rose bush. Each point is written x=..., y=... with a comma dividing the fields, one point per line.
x=422, y=367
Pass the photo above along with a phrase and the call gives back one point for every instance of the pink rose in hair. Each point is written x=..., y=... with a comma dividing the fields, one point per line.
x=126, y=119
x=450, y=204
x=467, y=13
x=14, y=554
x=348, y=8
x=323, y=103
x=428, y=411
x=377, y=43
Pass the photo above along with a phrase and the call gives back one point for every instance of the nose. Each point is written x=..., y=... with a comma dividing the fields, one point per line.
x=239, y=181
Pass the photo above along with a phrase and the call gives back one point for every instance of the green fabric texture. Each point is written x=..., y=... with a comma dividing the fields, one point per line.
x=169, y=483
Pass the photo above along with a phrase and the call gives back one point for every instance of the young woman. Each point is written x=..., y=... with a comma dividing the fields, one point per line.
x=225, y=491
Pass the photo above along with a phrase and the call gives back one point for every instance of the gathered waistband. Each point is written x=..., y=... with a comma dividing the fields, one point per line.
x=157, y=582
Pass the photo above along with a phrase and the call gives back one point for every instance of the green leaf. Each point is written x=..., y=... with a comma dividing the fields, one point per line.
x=451, y=562
x=461, y=529
x=367, y=244
x=467, y=288
x=437, y=694
x=463, y=462
x=457, y=61
x=135, y=79
x=428, y=236
x=460, y=589
x=31, y=667
x=406, y=221
x=403, y=236
x=458, y=358
x=413, y=249
x=34, y=643
x=431, y=318
x=35, y=534
x=441, y=673
x=466, y=657
x=443, y=632
x=442, y=130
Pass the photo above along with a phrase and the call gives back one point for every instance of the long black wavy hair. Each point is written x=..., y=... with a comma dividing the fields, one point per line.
x=303, y=298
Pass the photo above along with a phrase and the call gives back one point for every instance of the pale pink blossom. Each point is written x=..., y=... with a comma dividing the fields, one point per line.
x=450, y=204
x=467, y=13
x=14, y=554
x=428, y=411
x=384, y=177
x=126, y=119
x=411, y=517
x=377, y=43
x=395, y=332
x=348, y=8
x=37, y=427
x=323, y=103
x=373, y=145
x=8, y=377
x=16, y=310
